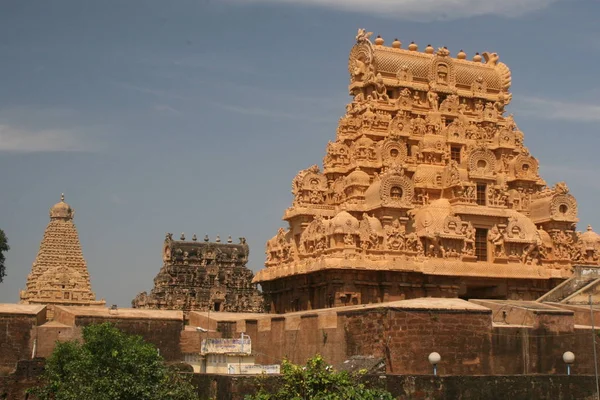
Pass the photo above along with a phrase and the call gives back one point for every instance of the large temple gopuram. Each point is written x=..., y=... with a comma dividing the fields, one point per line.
x=427, y=190
x=59, y=275
x=203, y=276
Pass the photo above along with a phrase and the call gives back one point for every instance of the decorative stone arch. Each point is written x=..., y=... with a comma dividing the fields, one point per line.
x=361, y=63
x=482, y=162
x=396, y=190
x=393, y=152
x=455, y=132
x=506, y=138
x=563, y=207
x=525, y=167
x=399, y=126
x=442, y=70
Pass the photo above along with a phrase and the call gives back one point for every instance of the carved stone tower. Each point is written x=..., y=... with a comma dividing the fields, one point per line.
x=202, y=276
x=427, y=190
x=59, y=273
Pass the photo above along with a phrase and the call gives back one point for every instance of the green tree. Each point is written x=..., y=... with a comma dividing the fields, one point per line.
x=110, y=364
x=3, y=248
x=318, y=381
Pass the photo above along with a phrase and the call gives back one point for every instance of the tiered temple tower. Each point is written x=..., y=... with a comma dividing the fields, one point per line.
x=428, y=190
x=202, y=276
x=59, y=273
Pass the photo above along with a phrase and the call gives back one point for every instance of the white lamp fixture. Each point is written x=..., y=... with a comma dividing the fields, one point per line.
x=568, y=358
x=434, y=359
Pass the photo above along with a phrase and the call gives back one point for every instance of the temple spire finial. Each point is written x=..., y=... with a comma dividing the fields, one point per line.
x=62, y=197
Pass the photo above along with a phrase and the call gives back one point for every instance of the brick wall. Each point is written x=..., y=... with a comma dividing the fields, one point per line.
x=405, y=338
x=164, y=334
x=17, y=333
x=25, y=376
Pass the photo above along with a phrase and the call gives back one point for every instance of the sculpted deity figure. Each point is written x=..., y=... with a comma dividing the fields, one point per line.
x=395, y=237
x=469, y=242
x=380, y=92
x=496, y=238
x=433, y=98
x=413, y=243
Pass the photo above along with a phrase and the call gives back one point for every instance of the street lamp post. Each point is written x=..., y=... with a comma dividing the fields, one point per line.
x=568, y=358
x=434, y=359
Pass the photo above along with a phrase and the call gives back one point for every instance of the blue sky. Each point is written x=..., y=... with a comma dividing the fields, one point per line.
x=194, y=116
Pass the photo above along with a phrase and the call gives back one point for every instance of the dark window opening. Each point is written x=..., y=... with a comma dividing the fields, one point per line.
x=481, y=244
x=455, y=154
x=217, y=306
x=408, y=150
x=481, y=194
x=396, y=192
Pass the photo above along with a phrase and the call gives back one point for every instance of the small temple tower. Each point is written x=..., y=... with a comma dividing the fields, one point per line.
x=203, y=276
x=59, y=273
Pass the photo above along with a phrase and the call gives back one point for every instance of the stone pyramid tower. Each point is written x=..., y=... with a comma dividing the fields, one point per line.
x=59, y=273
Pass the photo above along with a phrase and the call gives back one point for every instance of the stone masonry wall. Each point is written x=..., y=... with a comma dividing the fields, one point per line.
x=405, y=339
x=164, y=334
x=17, y=333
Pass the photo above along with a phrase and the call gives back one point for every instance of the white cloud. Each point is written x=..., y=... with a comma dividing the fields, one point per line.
x=423, y=9
x=15, y=139
x=166, y=109
x=272, y=113
x=557, y=110
x=116, y=199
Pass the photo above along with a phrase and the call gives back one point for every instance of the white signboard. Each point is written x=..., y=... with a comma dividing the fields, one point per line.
x=252, y=369
x=222, y=346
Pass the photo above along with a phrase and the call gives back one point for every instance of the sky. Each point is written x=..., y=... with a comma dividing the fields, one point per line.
x=195, y=116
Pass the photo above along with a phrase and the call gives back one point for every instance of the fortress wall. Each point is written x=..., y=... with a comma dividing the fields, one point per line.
x=403, y=333
x=18, y=325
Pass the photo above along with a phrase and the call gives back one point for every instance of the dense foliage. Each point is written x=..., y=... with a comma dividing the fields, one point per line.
x=318, y=381
x=110, y=364
x=3, y=248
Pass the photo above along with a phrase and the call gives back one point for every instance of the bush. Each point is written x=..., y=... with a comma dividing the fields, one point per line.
x=318, y=381
x=110, y=364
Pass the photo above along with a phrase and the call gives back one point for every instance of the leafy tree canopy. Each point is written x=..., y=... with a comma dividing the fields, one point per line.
x=3, y=248
x=318, y=381
x=110, y=364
